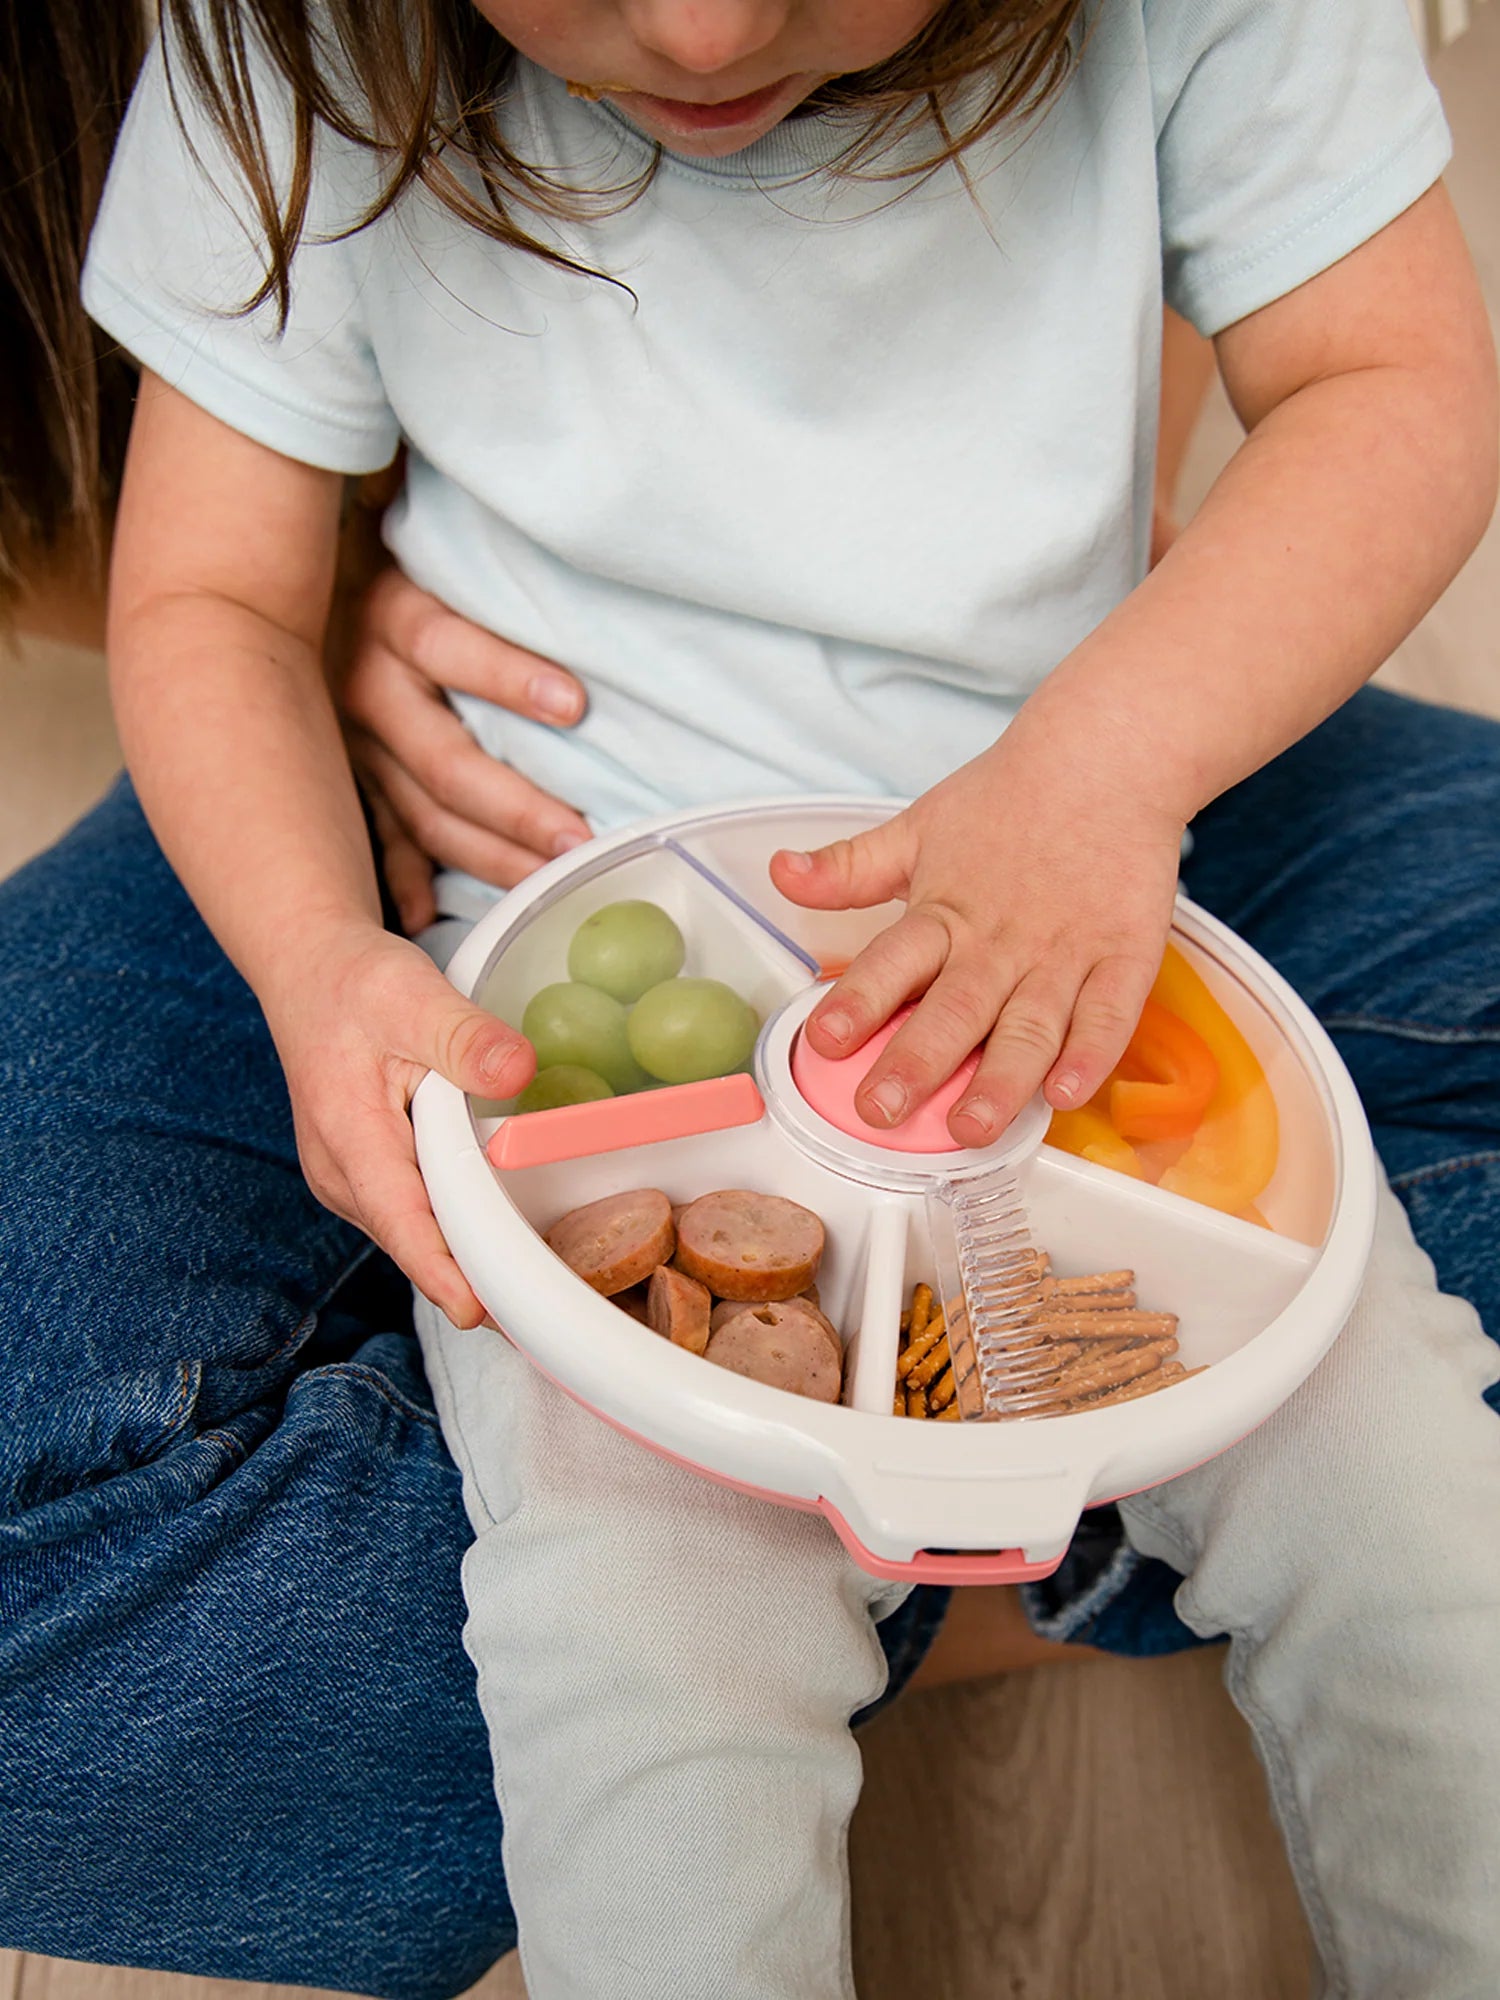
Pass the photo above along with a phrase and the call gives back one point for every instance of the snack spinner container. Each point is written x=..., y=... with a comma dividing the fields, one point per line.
x=1258, y=1301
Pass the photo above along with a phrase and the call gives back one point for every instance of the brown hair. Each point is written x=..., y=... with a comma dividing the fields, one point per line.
x=432, y=77
x=66, y=68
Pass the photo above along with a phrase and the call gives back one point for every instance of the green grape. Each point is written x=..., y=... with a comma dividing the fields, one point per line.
x=687, y=1029
x=563, y=1083
x=625, y=948
x=580, y=1026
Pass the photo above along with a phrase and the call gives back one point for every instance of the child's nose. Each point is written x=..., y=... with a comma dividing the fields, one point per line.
x=704, y=36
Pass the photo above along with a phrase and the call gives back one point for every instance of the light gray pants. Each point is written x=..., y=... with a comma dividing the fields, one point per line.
x=667, y=1669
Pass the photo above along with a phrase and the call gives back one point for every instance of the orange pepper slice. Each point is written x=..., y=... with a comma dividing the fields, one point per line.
x=1232, y=1155
x=1172, y=1075
x=1089, y=1134
x=1232, y=1135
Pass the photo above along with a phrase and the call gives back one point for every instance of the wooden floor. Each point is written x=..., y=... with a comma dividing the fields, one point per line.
x=1090, y=1831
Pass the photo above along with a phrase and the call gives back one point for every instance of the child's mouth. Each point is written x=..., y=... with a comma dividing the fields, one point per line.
x=676, y=115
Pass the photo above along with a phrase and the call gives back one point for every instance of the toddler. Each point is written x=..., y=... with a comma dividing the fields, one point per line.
x=788, y=368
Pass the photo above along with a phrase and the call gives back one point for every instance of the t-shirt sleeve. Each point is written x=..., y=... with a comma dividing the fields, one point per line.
x=1288, y=133
x=176, y=252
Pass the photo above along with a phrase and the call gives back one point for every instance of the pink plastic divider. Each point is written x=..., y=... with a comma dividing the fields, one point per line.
x=574, y=1131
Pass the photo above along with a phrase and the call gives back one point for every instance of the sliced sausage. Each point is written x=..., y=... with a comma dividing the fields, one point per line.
x=615, y=1243
x=727, y=1308
x=784, y=1344
x=678, y=1306
x=756, y=1247
x=634, y=1301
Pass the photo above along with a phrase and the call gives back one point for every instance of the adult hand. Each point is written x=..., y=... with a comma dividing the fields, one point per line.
x=434, y=795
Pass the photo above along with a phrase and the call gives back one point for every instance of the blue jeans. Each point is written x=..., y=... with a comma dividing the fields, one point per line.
x=240, y=1730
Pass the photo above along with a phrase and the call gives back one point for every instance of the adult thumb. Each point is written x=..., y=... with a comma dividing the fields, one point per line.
x=849, y=874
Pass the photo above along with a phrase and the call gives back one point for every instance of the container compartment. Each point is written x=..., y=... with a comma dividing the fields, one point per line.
x=1224, y=1279
x=723, y=941
x=1297, y=1199
x=755, y=1157
x=738, y=846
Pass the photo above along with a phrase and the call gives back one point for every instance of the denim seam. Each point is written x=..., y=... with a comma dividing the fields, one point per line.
x=234, y=1449
x=189, y=1376
x=1273, y=1751
x=303, y=1328
x=1419, y=1174
x=1411, y=1031
x=371, y=1378
x=1289, y=1812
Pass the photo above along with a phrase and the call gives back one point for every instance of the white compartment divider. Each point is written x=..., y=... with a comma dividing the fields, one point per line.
x=870, y=1362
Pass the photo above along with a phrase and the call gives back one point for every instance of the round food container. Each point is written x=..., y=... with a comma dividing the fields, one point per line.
x=1252, y=1230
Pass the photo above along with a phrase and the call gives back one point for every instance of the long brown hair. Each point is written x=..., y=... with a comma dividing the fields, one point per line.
x=66, y=68
x=432, y=77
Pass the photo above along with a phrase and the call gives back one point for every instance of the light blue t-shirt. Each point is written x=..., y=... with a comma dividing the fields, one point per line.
x=839, y=470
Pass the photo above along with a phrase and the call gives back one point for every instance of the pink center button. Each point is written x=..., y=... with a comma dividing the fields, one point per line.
x=829, y=1087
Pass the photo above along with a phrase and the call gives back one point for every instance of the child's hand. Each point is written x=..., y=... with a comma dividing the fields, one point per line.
x=356, y=1035
x=1038, y=892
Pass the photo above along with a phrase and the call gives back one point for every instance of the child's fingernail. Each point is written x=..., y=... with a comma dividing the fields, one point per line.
x=496, y=1060
x=835, y=1026
x=795, y=862
x=564, y=843
x=557, y=700
x=981, y=1116
x=1065, y=1087
x=889, y=1099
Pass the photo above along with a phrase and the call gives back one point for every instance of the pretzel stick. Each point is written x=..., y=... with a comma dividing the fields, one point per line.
x=970, y=1401
x=916, y=1402
x=1096, y=1281
x=1111, y=1326
x=1052, y=1303
x=921, y=1310
x=942, y=1392
x=917, y=1350
x=1128, y=1392
x=950, y=1415
x=1107, y=1370
x=931, y=1365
